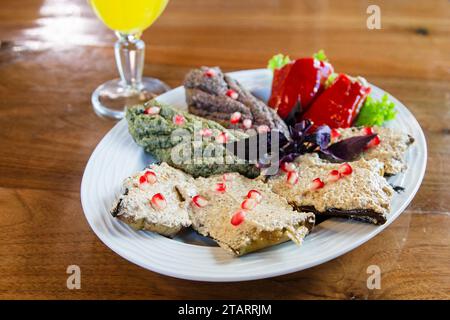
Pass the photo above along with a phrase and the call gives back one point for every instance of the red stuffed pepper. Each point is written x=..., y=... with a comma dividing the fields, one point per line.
x=339, y=104
x=298, y=81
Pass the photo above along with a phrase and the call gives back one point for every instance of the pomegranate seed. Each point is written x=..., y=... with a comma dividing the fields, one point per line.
x=210, y=73
x=148, y=176
x=235, y=117
x=199, y=201
x=151, y=177
x=248, y=204
x=142, y=179
x=152, y=111
x=292, y=178
x=335, y=134
x=178, y=119
x=367, y=131
x=247, y=123
x=232, y=94
x=317, y=184
x=373, y=143
x=254, y=194
x=158, y=202
x=206, y=132
x=222, y=137
x=221, y=187
x=288, y=166
x=333, y=176
x=238, y=218
x=263, y=128
x=345, y=169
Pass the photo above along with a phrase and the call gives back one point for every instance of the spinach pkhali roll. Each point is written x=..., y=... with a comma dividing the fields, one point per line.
x=184, y=141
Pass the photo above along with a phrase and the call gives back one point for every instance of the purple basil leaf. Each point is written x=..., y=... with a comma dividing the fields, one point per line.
x=321, y=137
x=348, y=149
x=283, y=140
x=290, y=157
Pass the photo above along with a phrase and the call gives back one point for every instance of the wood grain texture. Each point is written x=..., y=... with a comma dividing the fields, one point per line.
x=53, y=53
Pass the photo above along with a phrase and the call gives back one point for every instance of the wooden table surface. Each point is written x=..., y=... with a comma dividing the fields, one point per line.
x=53, y=53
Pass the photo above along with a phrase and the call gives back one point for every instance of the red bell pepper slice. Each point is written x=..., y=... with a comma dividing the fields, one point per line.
x=339, y=104
x=298, y=81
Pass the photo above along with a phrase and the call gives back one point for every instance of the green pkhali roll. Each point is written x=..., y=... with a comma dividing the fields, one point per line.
x=184, y=141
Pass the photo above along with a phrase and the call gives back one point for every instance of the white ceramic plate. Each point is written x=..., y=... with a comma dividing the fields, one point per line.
x=190, y=256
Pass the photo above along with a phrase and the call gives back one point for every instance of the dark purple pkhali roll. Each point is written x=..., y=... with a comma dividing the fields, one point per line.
x=213, y=95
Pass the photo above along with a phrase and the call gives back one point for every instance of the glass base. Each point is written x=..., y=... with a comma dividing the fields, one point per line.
x=111, y=98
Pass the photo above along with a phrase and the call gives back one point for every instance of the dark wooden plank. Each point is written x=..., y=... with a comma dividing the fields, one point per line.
x=54, y=53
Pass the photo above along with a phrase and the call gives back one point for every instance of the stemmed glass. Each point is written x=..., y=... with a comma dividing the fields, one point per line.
x=128, y=18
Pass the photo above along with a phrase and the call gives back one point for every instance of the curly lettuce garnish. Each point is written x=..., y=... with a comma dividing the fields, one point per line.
x=278, y=61
x=320, y=55
x=376, y=112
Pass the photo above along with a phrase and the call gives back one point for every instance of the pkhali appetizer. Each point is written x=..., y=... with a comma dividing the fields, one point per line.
x=216, y=96
x=185, y=141
x=389, y=146
x=152, y=200
x=244, y=215
x=355, y=190
x=320, y=132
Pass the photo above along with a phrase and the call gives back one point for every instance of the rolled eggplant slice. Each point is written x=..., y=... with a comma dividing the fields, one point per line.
x=216, y=96
x=182, y=145
x=365, y=215
x=153, y=200
x=390, y=150
x=241, y=224
x=360, y=191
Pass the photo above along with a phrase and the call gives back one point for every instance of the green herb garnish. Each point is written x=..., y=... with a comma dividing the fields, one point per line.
x=320, y=55
x=278, y=61
x=376, y=112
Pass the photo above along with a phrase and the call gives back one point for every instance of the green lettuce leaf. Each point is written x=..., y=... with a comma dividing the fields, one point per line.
x=320, y=55
x=376, y=112
x=278, y=61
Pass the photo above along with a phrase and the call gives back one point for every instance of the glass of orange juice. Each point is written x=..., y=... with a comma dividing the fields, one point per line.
x=128, y=18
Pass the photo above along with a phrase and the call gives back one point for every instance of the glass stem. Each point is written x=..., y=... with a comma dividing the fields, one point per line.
x=130, y=52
